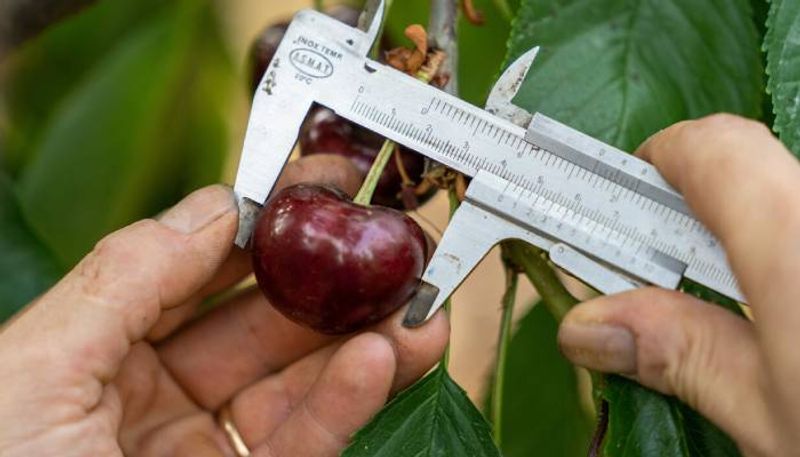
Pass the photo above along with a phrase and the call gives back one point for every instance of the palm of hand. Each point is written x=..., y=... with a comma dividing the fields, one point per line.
x=115, y=366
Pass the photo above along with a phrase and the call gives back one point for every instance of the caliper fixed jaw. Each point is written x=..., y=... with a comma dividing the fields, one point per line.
x=289, y=87
x=470, y=235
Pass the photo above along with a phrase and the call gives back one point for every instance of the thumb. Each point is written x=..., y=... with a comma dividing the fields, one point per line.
x=79, y=332
x=677, y=345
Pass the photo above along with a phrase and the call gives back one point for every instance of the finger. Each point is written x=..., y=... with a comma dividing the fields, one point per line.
x=672, y=342
x=743, y=185
x=260, y=408
x=194, y=435
x=248, y=339
x=323, y=169
x=233, y=346
x=235, y=268
x=352, y=388
x=79, y=332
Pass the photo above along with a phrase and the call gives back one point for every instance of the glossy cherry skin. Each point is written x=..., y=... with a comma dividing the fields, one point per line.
x=332, y=265
x=324, y=132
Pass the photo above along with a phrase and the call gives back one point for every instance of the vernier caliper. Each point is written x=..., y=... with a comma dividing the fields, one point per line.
x=604, y=216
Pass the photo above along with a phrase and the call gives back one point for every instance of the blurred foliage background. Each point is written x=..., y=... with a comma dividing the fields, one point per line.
x=107, y=117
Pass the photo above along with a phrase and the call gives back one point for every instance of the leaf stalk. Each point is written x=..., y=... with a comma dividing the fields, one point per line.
x=503, y=340
x=533, y=263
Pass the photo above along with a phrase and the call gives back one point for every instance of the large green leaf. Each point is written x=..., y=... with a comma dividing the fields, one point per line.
x=621, y=70
x=26, y=267
x=782, y=44
x=541, y=394
x=41, y=74
x=643, y=422
x=481, y=48
x=203, y=137
x=131, y=135
x=434, y=417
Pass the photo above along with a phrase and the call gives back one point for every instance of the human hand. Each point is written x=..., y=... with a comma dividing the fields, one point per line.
x=108, y=362
x=743, y=184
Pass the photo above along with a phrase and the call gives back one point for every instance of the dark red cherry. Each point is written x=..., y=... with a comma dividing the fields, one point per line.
x=331, y=264
x=323, y=132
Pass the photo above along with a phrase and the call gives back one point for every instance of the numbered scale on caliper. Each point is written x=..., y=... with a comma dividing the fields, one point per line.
x=603, y=215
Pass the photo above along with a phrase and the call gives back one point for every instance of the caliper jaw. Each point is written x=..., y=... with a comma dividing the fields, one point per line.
x=471, y=233
x=500, y=99
x=282, y=101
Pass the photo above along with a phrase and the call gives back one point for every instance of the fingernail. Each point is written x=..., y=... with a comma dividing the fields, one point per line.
x=199, y=209
x=598, y=346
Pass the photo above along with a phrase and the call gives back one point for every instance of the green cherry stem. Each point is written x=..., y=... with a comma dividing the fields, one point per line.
x=518, y=255
x=364, y=195
x=508, y=302
x=452, y=197
x=318, y=5
x=533, y=263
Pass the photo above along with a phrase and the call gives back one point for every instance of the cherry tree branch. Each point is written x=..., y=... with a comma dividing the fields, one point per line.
x=442, y=35
x=24, y=19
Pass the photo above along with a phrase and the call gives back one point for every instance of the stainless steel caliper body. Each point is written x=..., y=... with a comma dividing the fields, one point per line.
x=604, y=216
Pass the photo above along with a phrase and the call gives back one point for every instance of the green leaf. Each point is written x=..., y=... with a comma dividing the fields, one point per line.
x=760, y=10
x=131, y=136
x=481, y=48
x=203, y=138
x=643, y=422
x=434, y=417
x=481, y=52
x=26, y=267
x=621, y=70
x=42, y=73
x=541, y=395
x=782, y=44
